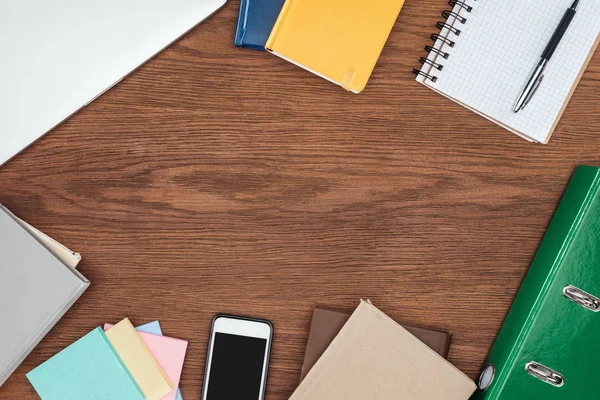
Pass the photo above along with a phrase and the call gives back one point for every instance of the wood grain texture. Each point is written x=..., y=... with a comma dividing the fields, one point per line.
x=216, y=179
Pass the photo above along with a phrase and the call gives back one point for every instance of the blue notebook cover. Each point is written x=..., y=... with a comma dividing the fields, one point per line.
x=155, y=329
x=88, y=369
x=255, y=22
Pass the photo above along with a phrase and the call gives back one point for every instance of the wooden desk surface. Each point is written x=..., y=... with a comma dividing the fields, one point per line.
x=216, y=179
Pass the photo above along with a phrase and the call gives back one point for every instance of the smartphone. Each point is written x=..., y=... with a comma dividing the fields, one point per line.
x=237, y=362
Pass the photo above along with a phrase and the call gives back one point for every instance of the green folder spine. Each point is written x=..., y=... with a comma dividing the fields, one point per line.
x=543, y=325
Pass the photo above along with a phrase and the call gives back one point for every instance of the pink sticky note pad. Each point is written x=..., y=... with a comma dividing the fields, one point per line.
x=169, y=353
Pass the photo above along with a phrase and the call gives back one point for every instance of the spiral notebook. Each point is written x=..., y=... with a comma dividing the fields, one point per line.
x=486, y=50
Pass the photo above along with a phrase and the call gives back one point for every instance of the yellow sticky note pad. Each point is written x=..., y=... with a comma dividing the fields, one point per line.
x=138, y=359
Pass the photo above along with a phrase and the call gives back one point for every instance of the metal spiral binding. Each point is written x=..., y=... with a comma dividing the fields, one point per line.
x=435, y=37
x=443, y=54
x=461, y=4
x=425, y=60
x=447, y=14
x=452, y=17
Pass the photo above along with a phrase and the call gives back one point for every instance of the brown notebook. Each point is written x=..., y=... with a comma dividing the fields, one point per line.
x=327, y=323
x=374, y=358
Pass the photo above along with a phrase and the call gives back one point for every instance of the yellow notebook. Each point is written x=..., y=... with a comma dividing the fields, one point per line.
x=139, y=360
x=339, y=40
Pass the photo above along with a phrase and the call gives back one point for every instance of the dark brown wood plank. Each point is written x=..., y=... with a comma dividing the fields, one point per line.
x=216, y=179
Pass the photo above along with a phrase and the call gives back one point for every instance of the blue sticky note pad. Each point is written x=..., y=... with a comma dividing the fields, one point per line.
x=255, y=22
x=88, y=369
x=155, y=329
x=151, y=327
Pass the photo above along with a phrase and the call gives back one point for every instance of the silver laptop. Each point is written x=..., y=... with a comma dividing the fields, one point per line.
x=56, y=56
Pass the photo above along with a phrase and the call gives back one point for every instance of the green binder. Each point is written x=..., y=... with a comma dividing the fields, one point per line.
x=549, y=345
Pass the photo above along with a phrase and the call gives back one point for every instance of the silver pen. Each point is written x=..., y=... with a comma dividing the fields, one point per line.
x=538, y=74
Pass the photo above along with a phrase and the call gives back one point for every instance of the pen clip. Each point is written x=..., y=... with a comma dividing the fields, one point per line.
x=530, y=95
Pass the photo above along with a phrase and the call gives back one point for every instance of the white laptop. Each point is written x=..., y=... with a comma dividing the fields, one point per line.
x=56, y=56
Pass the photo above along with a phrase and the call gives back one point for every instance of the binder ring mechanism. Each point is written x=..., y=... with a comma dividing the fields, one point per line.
x=544, y=374
x=582, y=298
x=452, y=17
x=486, y=377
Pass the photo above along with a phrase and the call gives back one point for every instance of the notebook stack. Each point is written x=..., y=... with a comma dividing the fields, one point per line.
x=369, y=356
x=486, y=50
x=339, y=40
x=119, y=361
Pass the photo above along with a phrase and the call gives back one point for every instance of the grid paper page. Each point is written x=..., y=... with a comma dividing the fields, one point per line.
x=498, y=47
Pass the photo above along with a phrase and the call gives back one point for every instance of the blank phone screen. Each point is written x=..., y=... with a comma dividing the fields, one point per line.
x=236, y=368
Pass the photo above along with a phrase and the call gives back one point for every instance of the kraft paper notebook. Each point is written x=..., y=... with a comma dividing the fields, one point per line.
x=548, y=346
x=327, y=323
x=255, y=22
x=139, y=360
x=154, y=328
x=486, y=51
x=37, y=287
x=88, y=369
x=375, y=358
x=339, y=40
x=168, y=352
